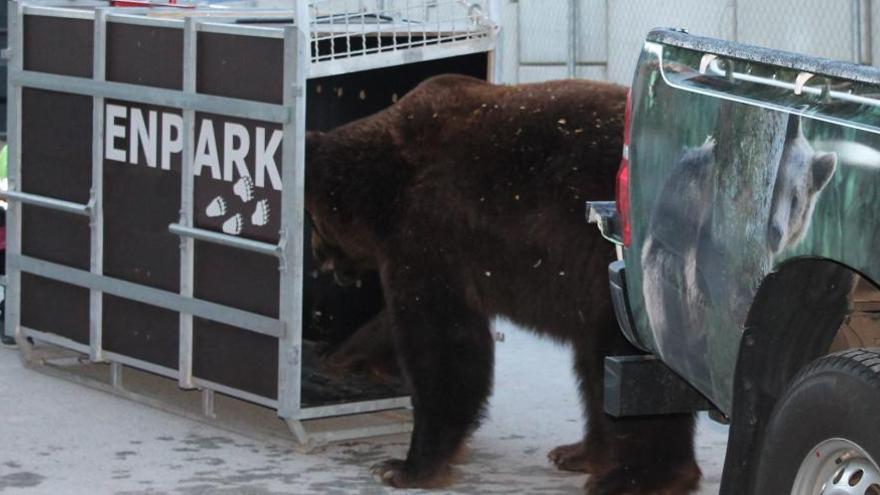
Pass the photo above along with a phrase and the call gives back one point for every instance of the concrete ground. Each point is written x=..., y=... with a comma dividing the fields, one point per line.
x=57, y=437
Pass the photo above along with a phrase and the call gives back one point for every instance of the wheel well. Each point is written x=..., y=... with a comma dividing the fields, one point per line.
x=805, y=309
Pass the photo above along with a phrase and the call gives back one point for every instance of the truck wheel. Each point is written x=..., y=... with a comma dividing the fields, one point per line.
x=823, y=436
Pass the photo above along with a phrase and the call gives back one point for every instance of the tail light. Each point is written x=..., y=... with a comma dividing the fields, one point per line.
x=622, y=191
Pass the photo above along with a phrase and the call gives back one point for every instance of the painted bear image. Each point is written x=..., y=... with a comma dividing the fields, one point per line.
x=682, y=254
x=468, y=198
x=802, y=174
x=673, y=285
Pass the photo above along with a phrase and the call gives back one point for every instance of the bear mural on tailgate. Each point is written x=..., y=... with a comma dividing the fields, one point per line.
x=685, y=253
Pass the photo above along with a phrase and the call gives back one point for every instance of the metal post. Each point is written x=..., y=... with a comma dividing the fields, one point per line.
x=296, y=53
x=208, y=403
x=224, y=239
x=96, y=221
x=13, y=211
x=299, y=432
x=187, y=244
x=734, y=5
x=116, y=375
x=866, y=32
x=496, y=72
x=857, y=30
x=573, y=26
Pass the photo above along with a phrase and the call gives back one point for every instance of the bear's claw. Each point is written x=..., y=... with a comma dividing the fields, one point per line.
x=395, y=473
x=391, y=473
x=576, y=457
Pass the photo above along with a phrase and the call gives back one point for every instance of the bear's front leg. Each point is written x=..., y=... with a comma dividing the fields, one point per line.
x=446, y=350
x=370, y=348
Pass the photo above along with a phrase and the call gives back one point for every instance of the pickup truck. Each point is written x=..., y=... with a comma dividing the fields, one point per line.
x=748, y=229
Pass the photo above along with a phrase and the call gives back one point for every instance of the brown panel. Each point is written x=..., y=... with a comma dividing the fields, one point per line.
x=235, y=358
x=56, y=139
x=58, y=45
x=145, y=55
x=140, y=202
x=55, y=236
x=245, y=67
x=236, y=278
x=261, y=189
x=55, y=307
x=56, y=160
x=141, y=331
x=226, y=275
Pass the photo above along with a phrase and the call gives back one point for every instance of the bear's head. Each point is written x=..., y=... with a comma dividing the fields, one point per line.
x=354, y=178
x=333, y=259
x=332, y=231
x=802, y=174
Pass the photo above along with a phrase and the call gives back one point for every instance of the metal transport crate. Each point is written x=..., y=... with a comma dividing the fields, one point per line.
x=156, y=160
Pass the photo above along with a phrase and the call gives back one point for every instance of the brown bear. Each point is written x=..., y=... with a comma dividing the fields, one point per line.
x=468, y=198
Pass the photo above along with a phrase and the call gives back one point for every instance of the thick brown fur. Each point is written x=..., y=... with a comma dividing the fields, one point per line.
x=469, y=199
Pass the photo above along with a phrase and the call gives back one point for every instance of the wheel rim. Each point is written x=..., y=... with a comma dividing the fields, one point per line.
x=837, y=467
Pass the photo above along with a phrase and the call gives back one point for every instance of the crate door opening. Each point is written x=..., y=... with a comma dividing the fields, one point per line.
x=345, y=330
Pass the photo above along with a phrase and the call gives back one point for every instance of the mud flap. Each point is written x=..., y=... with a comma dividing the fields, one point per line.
x=643, y=385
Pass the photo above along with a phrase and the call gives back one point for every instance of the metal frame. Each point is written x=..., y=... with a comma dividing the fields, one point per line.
x=96, y=217
x=47, y=202
x=187, y=243
x=232, y=107
x=13, y=150
x=299, y=66
x=736, y=51
x=290, y=245
x=147, y=295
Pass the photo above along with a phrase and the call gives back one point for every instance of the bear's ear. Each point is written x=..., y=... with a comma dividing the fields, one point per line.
x=313, y=142
x=824, y=165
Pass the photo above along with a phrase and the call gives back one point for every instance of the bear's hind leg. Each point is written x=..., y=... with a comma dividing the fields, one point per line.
x=447, y=352
x=655, y=457
x=634, y=456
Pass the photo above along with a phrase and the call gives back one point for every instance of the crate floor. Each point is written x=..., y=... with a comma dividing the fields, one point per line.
x=321, y=387
x=228, y=413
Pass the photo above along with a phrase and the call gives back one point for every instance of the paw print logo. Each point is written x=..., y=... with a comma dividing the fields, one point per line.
x=243, y=192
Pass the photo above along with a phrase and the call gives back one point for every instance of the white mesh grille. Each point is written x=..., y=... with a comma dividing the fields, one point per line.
x=348, y=28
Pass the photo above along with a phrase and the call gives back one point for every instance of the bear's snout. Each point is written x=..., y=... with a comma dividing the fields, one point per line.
x=345, y=279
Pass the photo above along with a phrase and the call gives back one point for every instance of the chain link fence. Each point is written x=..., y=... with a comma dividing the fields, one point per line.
x=601, y=39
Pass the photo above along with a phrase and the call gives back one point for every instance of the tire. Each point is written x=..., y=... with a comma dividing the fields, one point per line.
x=824, y=432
